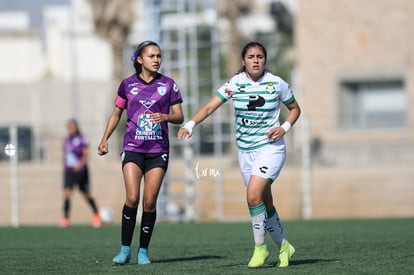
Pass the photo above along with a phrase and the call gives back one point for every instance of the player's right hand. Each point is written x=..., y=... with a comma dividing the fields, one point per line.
x=103, y=148
x=184, y=133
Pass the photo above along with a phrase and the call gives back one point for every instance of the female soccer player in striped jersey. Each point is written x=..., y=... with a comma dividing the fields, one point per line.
x=257, y=95
x=151, y=101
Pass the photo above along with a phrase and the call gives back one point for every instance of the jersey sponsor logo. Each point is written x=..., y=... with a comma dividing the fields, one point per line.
x=148, y=102
x=147, y=129
x=71, y=159
x=134, y=91
x=253, y=114
x=248, y=122
x=145, y=122
x=132, y=84
x=162, y=90
x=263, y=169
x=255, y=101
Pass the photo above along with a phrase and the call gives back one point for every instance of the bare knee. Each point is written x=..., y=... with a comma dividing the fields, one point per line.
x=254, y=199
x=132, y=200
x=256, y=190
x=149, y=204
x=67, y=193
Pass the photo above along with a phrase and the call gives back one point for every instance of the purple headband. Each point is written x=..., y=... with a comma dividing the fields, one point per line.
x=134, y=56
x=140, y=47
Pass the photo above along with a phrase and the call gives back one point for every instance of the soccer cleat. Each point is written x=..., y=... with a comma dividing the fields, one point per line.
x=260, y=255
x=123, y=256
x=64, y=223
x=96, y=222
x=285, y=254
x=143, y=256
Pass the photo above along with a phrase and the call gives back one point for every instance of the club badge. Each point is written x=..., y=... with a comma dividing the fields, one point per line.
x=270, y=88
x=162, y=90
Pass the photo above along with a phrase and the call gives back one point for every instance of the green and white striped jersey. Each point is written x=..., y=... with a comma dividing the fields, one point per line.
x=256, y=107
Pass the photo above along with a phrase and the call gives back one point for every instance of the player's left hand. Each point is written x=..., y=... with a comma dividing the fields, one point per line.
x=275, y=133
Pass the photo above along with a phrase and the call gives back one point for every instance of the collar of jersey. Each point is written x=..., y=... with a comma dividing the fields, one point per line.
x=157, y=76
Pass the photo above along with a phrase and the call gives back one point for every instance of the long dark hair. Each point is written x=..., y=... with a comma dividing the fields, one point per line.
x=138, y=51
x=246, y=47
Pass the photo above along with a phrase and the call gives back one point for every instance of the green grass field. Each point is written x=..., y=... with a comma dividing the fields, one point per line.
x=384, y=246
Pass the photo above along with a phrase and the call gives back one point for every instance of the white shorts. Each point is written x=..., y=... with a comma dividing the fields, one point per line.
x=265, y=162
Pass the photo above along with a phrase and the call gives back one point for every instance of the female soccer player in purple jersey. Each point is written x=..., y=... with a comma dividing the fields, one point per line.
x=257, y=95
x=151, y=101
x=76, y=154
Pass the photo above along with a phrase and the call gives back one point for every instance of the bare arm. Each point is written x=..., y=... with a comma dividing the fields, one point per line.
x=294, y=112
x=293, y=115
x=201, y=115
x=110, y=127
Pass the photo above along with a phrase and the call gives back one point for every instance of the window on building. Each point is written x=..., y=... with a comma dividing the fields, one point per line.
x=373, y=104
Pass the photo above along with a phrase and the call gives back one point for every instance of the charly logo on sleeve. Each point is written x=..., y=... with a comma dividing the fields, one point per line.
x=134, y=91
x=133, y=88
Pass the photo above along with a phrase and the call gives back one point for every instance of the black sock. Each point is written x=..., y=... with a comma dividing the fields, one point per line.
x=129, y=217
x=66, y=208
x=147, y=225
x=91, y=202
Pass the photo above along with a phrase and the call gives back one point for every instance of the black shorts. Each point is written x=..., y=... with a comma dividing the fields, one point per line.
x=80, y=178
x=145, y=161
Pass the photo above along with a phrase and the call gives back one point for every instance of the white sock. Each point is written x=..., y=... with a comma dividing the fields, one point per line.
x=274, y=227
x=258, y=215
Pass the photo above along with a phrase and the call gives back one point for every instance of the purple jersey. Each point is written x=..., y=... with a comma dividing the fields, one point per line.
x=73, y=151
x=141, y=99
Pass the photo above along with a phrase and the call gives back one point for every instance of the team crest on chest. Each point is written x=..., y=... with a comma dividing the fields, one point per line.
x=162, y=90
x=270, y=88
